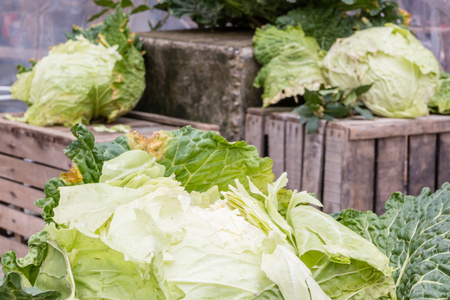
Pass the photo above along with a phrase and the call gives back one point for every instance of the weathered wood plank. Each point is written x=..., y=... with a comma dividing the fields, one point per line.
x=165, y=120
x=275, y=130
x=391, y=158
x=254, y=132
x=387, y=127
x=443, y=164
x=19, y=222
x=7, y=244
x=358, y=175
x=294, y=153
x=333, y=168
x=422, y=163
x=314, y=149
x=20, y=195
x=22, y=171
x=20, y=143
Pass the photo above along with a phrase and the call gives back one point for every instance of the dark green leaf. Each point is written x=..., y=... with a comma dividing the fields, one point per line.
x=362, y=89
x=337, y=110
x=364, y=112
x=312, y=125
x=126, y=3
x=105, y=3
x=304, y=111
x=350, y=98
x=327, y=117
x=139, y=9
x=96, y=16
x=414, y=233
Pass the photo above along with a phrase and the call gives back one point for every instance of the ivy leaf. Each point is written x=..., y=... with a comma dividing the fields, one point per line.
x=140, y=8
x=364, y=112
x=312, y=125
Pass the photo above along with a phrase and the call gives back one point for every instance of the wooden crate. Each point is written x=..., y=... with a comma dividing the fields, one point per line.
x=355, y=163
x=31, y=155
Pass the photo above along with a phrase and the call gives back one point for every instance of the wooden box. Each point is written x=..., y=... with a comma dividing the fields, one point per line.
x=354, y=163
x=31, y=155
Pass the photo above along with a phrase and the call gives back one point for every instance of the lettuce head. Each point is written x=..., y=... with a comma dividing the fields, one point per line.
x=97, y=74
x=405, y=75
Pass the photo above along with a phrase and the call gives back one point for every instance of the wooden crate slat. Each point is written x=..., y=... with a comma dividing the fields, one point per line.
x=7, y=244
x=391, y=157
x=333, y=165
x=165, y=120
x=387, y=127
x=421, y=163
x=19, y=222
x=313, y=160
x=20, y=142
x=19, y=195
x=22, y=171
x=443, y=164
x=275, y=129
x=294, y=153
x=358, y=175
x=254, y=132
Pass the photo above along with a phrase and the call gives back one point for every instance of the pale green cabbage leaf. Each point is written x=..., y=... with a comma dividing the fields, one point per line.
x=440, y=103
x=291, y=63
x=344, y=265
x=405, y=75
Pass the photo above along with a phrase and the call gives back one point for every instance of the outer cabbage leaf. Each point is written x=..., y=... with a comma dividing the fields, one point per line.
x=344, y=264
x=292, y=276
x=11, y=287
x=440, y=103
x=101, y=272
x=201, y=160
x=88, y=158
x=291, y=63
x=46, y=267
x=415, y=234
x=405, y=75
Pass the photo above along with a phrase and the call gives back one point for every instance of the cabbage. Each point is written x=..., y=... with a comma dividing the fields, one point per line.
x=405, y=75
x=139, y=235
x=90, y=77
x=414, y=233
x=440, y=103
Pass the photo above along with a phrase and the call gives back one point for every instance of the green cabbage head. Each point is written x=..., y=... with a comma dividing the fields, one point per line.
x=98, y=74
x=405, y=75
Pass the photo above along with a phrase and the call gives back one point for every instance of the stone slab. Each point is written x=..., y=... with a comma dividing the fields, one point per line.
x=201, y=75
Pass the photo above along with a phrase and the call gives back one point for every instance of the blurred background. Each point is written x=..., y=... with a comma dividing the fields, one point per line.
x=29, y=28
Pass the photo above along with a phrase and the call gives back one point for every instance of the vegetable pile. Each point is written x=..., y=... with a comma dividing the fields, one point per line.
x=98, y=74
x=187, y=215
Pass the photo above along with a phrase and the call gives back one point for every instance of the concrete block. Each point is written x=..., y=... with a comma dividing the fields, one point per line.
x=201, y=75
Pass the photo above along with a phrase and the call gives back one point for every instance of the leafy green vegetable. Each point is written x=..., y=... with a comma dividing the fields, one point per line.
x=326, y=22
x=390, y=58
x=440, y=103
x=415, y=234
x=200, y=160
x=291, y=63
x=330, y=103
x=11, y=287
x=97, y=74
x=88, y=159
x=137, y=235
x=343, y=264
